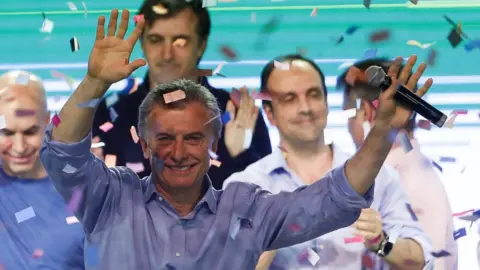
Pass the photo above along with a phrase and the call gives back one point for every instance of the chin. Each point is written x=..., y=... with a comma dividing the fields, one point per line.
x=18, y=169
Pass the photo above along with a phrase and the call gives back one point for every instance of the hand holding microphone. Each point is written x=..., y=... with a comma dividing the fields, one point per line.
x=396, y=89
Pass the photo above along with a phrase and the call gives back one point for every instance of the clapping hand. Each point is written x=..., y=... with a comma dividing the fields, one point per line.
x=389, y=113
x=110, y=56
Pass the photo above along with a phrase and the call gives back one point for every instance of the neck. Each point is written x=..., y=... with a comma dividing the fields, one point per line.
x=309, y=161
x=182, y=200
x=38, y=172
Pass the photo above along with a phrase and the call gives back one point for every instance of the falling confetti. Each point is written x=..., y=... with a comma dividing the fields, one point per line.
x=379, y=36
x=441, y=253
x=133, y=133
x=110, y=161
x=22, y=79
x=351, y=30
x=412, y=213
x=137, y=18
x=448, y=159
x=226, y=117
x=314, y=12
x=37, y=253
x=97, y=145
x=24, y=113
x=105, y=127
x=215, y=163
x=370, y=53
x=281, y=65
x=90, y=104
x=47, y=26
x=113, y=114
x=228, y=52
x=212, y=154
x=85, y=11
x=424, y=124
x=355, y=239
x=472, y=44
x=420, y=45
x=160, y=9
x=454, y=38
x=174, y=96
x=432, y=57
x=71, y=220
x=459, y=233
x=72, y=6
x=25, y=214
x=69, y=169
x=111, y=100
x=56, y=120
x=74, y=45
x=135, y=167
x=77, y=195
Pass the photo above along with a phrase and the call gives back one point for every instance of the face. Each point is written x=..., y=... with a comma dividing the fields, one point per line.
x=180, y=139
x=23, y=132
x=299, y=106
x=172, y=47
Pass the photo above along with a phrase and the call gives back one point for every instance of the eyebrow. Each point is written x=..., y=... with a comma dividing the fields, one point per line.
x=166, y=134
x=184, y=36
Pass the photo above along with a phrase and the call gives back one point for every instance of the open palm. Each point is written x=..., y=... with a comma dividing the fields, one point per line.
x=388, y=111
x=110, y=56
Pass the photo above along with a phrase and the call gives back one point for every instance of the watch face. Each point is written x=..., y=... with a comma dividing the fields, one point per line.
x=388, y=247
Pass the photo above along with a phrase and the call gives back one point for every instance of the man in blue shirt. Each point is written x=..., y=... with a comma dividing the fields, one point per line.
x=299, y=110
x=37, y=230
x=174, y=219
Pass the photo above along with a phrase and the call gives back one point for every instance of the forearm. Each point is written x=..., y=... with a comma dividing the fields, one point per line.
x=76, y=122
x=266, y=260
x=406, y=254
x=364, y=166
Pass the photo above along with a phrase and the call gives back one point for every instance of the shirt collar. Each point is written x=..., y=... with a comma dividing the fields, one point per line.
x=210, y=197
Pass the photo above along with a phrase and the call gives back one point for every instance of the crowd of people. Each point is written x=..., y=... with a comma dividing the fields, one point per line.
x=212, y=193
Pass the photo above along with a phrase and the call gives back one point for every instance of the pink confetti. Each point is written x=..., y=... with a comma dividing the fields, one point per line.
x=56, y=120
x=110, y=161
x=134, y=134
x=424, y=124
x=262, y=95
x=136, y=167
x=215, y=163
x=37, y=253
x=355, y=239
x=367, y=261
x=375, y=103
x=136, y=18
x=314, y=12
x=463, y=213
x=174, y=96
x=106, y=126
x=460, y=112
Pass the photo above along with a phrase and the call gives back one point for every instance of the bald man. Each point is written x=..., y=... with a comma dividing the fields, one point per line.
x=37, y=228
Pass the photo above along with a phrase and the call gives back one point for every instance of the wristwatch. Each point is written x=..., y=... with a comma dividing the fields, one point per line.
x=385, y=246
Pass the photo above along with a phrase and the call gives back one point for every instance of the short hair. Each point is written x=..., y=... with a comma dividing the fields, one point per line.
x=385, y=64
x=270, y=66
x=204, y=24
x=193, y=93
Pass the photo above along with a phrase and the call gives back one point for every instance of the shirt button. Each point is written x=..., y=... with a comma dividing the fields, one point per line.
x=160, y=198
x=177, y=254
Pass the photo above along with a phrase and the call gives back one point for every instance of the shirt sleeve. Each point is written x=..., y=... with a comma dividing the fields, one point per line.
x=396, y=217
x=290, y=218
x=72, y=167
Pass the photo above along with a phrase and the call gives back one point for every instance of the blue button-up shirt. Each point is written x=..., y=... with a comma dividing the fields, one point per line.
x=130, y=226
x=273, y=174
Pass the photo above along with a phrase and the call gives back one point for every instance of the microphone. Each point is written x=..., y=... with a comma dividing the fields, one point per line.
x=377, y=78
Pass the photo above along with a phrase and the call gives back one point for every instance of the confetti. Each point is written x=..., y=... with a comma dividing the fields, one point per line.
x=432, y=57
x=313, y=257
x=370, y=53
x=420, y=45
x=203, y=72
x=69, y=80
x=37, y=253
x=347, y=114
x=379, y=36
x=174, y=96
x=22, y=79
x=424, y=124
x=228, y=52
x=77, y=195
x=56, y=120
x=133, y=133
x=110, y=161
x=367, y=262
x=218, y=68
x=47, y=26
x=3, y=123
x=351, y=30
x=314, y=12
x=113, y=114
x=24, y=113
x=441, y=253
x=180, y=43
x=454, y=38
x=281, y=65
x=136, y=18
x=131, y=86
x=74, y=45
x=72, y=6
x=472, y=44
x=97, y=145
x=25, y=214
x=262, y=95
x=463, y=213
x=226, y=117
x=212, y=154
x=71, y=220
x=215, y=163
x=90, y=104
x=270, y=26
x=412, y=213
x=294, y=227
x=375, y=103
x=450, y=121
x=247, y=141
x=69, y=169
x=105, y=127
x=136, y=167
x=355, y=239
x=234, y=226
x=448, y=159
x=253, y=17
x=459, y=233
x=160, y=9
x=339, y=40
x=460, y=112
x=405, y=142
x=209, y=3
x=85, y=11
x=367, y=3
x=437, y=166
x=111, y=100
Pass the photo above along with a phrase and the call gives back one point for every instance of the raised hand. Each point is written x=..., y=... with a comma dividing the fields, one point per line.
x=110, y=56
x=388, y=112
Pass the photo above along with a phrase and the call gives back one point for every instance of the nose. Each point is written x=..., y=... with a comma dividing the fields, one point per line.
x=303, y=105
x=18, y=144
x=168, y=51
x=179, y=153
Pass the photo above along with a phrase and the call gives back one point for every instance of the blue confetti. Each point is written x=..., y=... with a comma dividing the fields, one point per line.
x=448, y=159
x=441, y=253
x=352, y=29
x=410, y=210
x=129, y=87
x=113, y=114
x=25, y=214
x=226, y=117
x=437, y=166
x=473, y=44
x=91, y=256
x=234, y=226
x=459, y=233
x=370, y=53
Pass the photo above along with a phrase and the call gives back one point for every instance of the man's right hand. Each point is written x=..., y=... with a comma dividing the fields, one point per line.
x=109, y=59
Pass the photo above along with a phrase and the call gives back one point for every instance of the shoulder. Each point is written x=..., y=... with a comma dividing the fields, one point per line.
x=256, y=173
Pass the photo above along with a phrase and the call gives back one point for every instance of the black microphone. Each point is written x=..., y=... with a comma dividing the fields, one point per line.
x=377, y=78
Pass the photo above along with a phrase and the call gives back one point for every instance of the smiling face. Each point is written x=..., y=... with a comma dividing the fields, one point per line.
x=298, y=101
x=25, y=122
x=180, y=139
x=172, y=46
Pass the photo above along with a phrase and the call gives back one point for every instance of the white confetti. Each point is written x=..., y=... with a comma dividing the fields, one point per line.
x=97, y=145
x=313, y=257
x=347, y=114
x=72, y=6
x=281, y=66
x=47, y=26
x=405, y=142
x=212, y=154
x=111, y=100
x=23, y=79
x=69, y=169
x=450, y=121
x=72, y=220
x=366, y=129
x=85, y=11
x=136, y=167
x=209, y=3
x=247, y=141
x=25, y=214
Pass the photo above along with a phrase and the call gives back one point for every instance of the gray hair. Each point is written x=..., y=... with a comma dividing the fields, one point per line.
x=193, y=93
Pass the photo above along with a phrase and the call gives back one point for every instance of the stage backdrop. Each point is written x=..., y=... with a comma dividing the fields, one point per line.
x=245, y=26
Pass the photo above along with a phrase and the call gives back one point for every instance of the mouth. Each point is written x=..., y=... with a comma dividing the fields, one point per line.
x=185, y=169
x=25, y=159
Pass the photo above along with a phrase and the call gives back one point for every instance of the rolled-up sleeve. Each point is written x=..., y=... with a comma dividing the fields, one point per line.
x=75, y=170
x=396, y=218
x=290, y=218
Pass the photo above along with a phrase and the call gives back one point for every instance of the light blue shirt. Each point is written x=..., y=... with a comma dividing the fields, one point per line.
x=272, y=173
x=130, y=226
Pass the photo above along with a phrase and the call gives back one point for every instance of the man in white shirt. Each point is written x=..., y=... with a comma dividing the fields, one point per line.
x=417, y=175
x=299, y=110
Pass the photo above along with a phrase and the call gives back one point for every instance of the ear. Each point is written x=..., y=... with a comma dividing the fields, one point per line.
x=269, y=112
x=215, y=145
x=369, y=111
x=145, y=150
x=202, y=47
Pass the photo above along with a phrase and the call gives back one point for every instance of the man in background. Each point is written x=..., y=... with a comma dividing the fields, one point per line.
x=37, y=229
x=422, y=184
x=299, y=110
x=173, y=42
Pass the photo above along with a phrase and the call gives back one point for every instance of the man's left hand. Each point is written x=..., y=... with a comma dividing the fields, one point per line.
x=388, y=113
x=369, y=226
